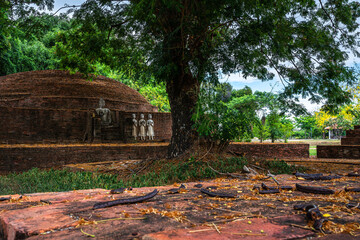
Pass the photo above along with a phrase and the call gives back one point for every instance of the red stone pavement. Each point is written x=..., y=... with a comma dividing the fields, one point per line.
x=186, y=215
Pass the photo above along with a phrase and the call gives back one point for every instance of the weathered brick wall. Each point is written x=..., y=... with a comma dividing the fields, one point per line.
x=21, y=125
x=25, y=158
x=340, y=151
x=271, y=150
x=350, y=141
x=353, y=133
x=22, y=158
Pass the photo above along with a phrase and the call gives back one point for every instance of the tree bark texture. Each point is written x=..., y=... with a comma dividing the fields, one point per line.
x=183, y=94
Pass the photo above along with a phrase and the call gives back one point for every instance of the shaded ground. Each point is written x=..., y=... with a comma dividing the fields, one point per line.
x=186, y=215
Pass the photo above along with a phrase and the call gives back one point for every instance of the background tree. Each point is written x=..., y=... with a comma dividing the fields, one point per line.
x=307, y=126
x=287, y=127
x=218, y=122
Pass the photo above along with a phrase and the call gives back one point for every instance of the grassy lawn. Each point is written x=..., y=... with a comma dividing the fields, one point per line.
x=312, y=151
x=161, y=172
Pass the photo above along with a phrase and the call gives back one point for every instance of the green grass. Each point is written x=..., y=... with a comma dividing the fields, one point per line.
x=281, y=167
x=36, y=180
x=163, y=172
x=312, y=151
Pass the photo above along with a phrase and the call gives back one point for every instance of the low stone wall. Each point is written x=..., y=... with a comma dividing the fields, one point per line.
x=271, y=150
x=22, y=158
x=340, y=151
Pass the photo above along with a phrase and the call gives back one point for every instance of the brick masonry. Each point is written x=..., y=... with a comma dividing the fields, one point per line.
x=22, y=158
x=339, y=151
x=46, y=156
x=271, y=150
x=22, y=125
x=349, y=148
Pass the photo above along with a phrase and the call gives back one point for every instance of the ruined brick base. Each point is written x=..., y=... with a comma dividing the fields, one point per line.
x=22, y=157
x=271, y=150
x=340, y=151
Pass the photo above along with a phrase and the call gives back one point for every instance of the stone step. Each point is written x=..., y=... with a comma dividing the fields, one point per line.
x=350, y=141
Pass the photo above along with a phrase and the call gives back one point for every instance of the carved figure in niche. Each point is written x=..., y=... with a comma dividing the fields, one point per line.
x=150, y=129
x=142, y=124
x=134, y=126
x=103, y=113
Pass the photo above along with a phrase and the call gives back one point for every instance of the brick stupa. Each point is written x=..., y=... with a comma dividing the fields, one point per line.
x=54, y=106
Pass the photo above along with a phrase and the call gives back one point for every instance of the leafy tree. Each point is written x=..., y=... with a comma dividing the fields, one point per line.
x=286, y=126
x=218, y=122
x=184, y=43
x=307, y=123
x=29, y=46
x=273, y=125
x=337, y=122
x=260, y=131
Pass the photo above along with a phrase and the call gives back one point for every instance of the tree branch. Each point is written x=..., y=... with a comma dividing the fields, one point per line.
x=328, y=15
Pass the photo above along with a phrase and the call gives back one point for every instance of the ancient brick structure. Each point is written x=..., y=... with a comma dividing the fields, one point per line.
x=24, y=157
x=349, y=148
x=55, y=106
x=270, y=150
x=48, y=118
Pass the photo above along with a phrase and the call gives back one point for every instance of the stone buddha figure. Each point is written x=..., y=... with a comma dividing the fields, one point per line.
x=150, y=130
x=134, y=126
x=103, y=113
x=142, y=124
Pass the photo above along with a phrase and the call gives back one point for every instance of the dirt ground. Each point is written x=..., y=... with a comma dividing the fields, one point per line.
x=186, y=213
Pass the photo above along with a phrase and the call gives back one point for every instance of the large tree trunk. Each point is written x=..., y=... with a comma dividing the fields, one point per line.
x=183, y=92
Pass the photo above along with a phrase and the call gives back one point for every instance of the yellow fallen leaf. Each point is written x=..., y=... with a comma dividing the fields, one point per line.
x=301, y=178
x=249, y=222
x=326, y=215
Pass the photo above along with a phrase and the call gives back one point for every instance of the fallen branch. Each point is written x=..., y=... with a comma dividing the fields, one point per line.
x=216, y=228
x=316, y=190
x=303, y=227
x=250, y=234
x=87, y=234
x=112, y=219
x=4, y=198
x=217, y=194
x=126, y=200
x=273, y=177
x=227, y=174
x=352, y=189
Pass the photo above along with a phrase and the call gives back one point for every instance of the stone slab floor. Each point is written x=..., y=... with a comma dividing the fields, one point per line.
x=189, y=214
